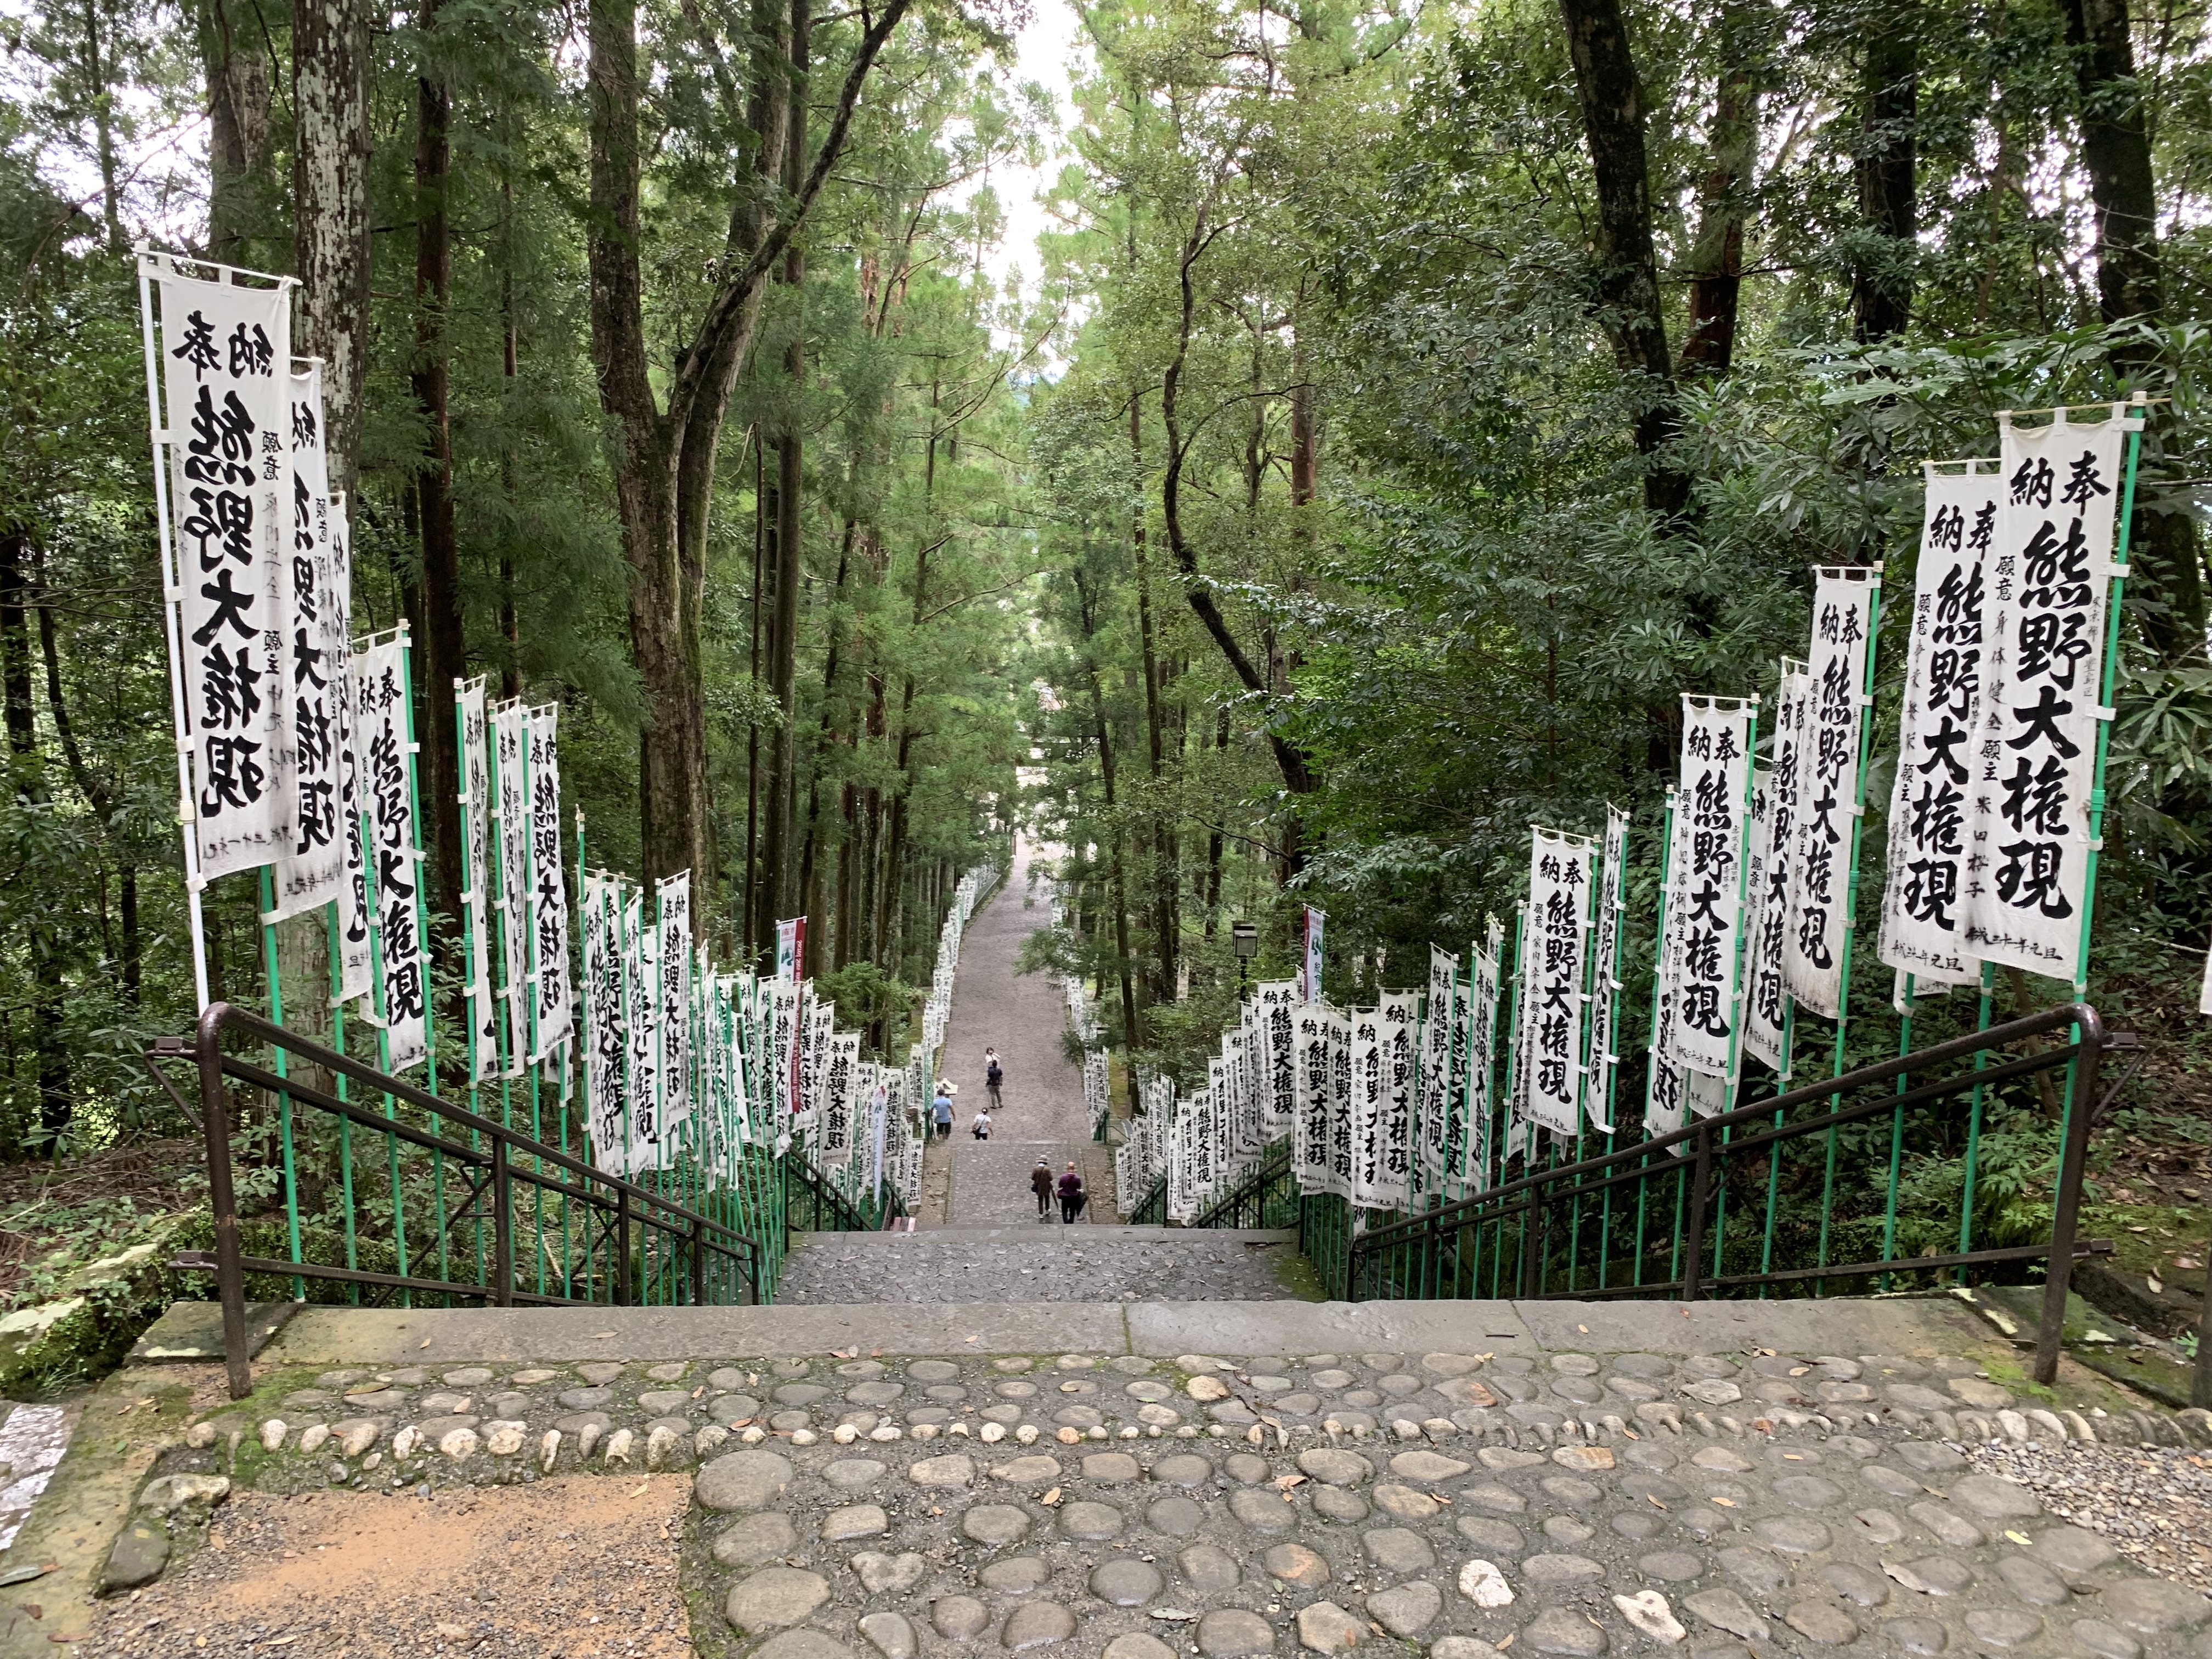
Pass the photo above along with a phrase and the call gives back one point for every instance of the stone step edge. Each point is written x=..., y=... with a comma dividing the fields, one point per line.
x=1036, y=1232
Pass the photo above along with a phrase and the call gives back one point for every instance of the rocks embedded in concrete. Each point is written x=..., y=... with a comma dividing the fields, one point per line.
x=1406, y=1610
x=1033, y=1624
x=1565, y=1630
x=772, y=1598
x=1234, y=1633
x=959, y=1618
x=1326, y=1628
x=1122, y=1582
x=885, y=1575
x=995, y=1524
x=754, y=1539
x=742, y=1480
x=891, y=1634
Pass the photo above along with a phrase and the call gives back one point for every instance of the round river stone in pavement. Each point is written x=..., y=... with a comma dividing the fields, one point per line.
x=742, y=1480
x=891, y=1634
x=1396, y=1549
x=1294, y=1563
x=1564, y=1630
x=1090, y=1522
x=774, y=1597
x=1178, y=1517
x=1183, y=1470
x=802, y=1644
x=995, y=1523
x=960, y=1617
x=1993, y=1499
x=854, y=1520
x=2154, y=1606
x=1404, y=1503
x=1033, y=1624
x=1674, y=1566
x=1324, y=1627
x=1933, y=1575
x=1125, y=1583
x=1233, y=1633
x=1807, y=1491
x=2003, y=1627
x=953, y=1469
x=1426, y=1466
x=1492, y=1537
x=1016, y=1575
x=1856, y=1583
x=890, y=1575
x=1137, y=1645
x=1110, y=1466
x=1792, y=1534
x=1560, y=1569
x=755, y=1539
x=1917, y=1636
x=2074, y=1550
x=1408, y=1609
x=1261, y=1511
x=853, y=1474
x=933, y=1371
x=1335, y=1467
x=1335, y=1504
x=1208, y=1570
x=2032, y=1582
x=1823, y=1622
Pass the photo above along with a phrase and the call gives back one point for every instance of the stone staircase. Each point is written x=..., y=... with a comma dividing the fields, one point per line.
x=1044, y=1262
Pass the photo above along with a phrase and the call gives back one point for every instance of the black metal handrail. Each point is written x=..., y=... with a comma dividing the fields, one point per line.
x=493, y=1164
x=1751, y=1134
x=1152, y=1209
x=807, y=1193
x=1268, y=1195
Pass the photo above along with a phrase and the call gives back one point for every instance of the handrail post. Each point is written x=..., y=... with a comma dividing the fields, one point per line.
x=622, y=1247
x=222, y=1200
x=698, y=1262
x=2065, y=1213
x=1693, y=1249
x=1532, y=1266
x=502, y=1228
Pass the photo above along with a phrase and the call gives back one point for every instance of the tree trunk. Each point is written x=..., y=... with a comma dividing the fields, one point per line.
x=26, y=782
x=237, y=72
x=1881, y=289
x=445, y=654
x=2168, y=593
x=1167, y=925
x=330, y=190
x=1626, y=280
x=790, y=531
x=1731, y=152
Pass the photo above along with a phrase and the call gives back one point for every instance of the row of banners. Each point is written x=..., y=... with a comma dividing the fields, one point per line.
x=1992, y=861
x=297, y=756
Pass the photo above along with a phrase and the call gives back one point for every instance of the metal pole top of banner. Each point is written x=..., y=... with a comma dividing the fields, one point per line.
x=1719, y=705
x=2116, y=409
x=153, y=258
x=300, y=363
x=1568, y=836
x=370, y=641
x=1851, y=573
x=1930, y=468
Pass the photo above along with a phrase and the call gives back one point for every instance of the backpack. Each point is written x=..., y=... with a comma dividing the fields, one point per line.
x=982, y=1131
x=994, y=1075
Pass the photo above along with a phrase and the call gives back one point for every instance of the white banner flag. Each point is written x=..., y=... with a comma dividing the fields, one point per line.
x=839, y=1076
x=1401, y=1014
x=549, y=904
x=606, y=1040
x=1605, y=972
x=1436, y=1119
x=1664, y=1110
x=1309, y=971
x=1923, y=900
x=1765, y=1001
x=476, y=878
x=225, y=361
x=510, y=734
x=1713, y=798
x=1826, y=811
x=675, y=965
x=1483, y=983
x=1310, y=1135
x=2050, y=570
x=353, y=952
x=313, y=871
x=1278, y=1001
x=380, y=675
x=1366, y=1047
x=640, y=993
x=1558, y=922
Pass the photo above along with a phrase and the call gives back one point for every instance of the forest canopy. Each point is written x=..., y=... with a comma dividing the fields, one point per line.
x=1403, y=406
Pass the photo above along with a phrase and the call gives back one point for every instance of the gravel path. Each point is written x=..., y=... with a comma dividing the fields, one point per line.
x=2154, y=1503
x=1025, y=1017
x=574, y=1567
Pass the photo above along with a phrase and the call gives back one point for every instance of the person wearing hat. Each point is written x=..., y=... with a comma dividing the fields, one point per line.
x=1041, y=1184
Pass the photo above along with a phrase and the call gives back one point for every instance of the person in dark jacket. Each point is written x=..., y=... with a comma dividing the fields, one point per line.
x=1041, y=1184
x=1071, y=1195
x=993, y=1073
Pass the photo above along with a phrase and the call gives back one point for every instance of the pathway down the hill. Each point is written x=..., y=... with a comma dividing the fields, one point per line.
x=971, y=1182
x=1024, y=1262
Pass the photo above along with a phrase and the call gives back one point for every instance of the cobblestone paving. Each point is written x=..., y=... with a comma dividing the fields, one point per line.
x=1034, y=1263
x=1733, y=1506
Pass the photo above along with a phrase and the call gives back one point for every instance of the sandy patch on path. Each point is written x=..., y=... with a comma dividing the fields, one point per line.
x=569, y=1567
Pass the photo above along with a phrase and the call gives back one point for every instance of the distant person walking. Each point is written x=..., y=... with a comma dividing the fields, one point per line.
x=1041, y=1184
x=981, y=1126
x=993, y=1075
x=1072, y=1197
x=940, y=1111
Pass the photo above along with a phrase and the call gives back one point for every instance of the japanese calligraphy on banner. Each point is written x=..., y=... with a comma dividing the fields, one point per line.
x=1765, y=999
x=1399, y=1012
x=476, y=812
x=1278, y=1001
x=1711, y=801
x=1343, y=1126
x=225, y=361
x=1436, y=1121
x=2050, y=574
x=840, y=1073
x=379, y=675
x=1924, y=901
x=1605, y=972
x=1309, y=973
x=1664, y=1110
x=549, y=907
x=675, y=1002
x=510, y=732
x=313, y=870
x=1367, y=1086
x=1517, y=1139
x=1482, y=986
x=1309, y=1143
x=1559, y=938
x=1824, y=824
x=354, y=958
x=640, y=980
x=606, y=1039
